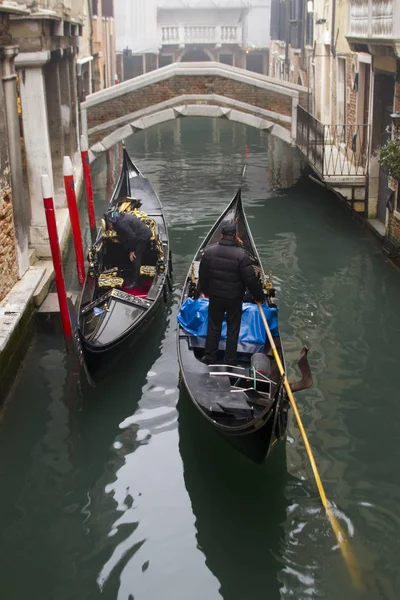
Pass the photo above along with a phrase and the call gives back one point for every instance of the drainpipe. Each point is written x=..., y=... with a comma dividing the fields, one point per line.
x=91, y=42
x=287, y=20
x=333, y=46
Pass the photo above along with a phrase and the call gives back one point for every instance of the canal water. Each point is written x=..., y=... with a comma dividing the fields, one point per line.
x=126, y=494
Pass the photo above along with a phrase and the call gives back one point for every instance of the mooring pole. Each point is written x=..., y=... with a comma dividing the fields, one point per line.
x=110, y=179
x=74, y=218
x=56, y=255
x=87, y=175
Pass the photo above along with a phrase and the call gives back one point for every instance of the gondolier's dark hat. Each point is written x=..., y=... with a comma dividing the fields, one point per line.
x=228, y=228
x=112, y=219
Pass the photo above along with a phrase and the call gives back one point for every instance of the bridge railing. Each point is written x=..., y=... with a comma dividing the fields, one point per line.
x=333, y=150
x=201, y=34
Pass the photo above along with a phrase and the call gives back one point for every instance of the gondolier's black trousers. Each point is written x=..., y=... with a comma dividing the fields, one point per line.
x=216, y=311
x=141, y=248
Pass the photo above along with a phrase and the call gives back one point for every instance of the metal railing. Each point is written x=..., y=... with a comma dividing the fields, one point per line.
x=333, y=150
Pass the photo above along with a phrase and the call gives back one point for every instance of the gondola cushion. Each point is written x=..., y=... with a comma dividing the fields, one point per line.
x=193, y=318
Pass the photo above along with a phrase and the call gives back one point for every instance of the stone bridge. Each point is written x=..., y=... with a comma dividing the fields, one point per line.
x=191, y=89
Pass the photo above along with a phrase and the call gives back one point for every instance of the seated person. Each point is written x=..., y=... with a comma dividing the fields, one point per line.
x=135, y=236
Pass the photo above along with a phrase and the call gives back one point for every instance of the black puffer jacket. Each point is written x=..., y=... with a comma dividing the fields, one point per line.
x=226, y=271
x=130, y=230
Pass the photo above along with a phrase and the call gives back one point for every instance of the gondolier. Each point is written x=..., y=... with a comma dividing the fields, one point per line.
x=224, y=274
x=135, y=237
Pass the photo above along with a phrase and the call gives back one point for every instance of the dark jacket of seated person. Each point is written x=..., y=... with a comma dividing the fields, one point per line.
x=225, y=273
x=130, y=230
x=135, y=236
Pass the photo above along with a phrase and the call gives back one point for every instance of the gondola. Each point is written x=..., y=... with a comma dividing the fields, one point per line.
x=246, y=403
x=111, y=313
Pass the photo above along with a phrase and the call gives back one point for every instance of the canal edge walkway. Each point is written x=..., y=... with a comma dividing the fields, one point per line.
x=17, y=308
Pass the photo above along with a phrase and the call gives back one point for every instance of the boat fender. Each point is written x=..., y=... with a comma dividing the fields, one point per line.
x=261, y=363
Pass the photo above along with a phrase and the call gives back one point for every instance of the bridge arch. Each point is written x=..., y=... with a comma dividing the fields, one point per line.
x=191, y=89
x=197, y=109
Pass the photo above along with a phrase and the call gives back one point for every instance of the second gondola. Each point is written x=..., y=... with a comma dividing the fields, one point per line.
x=247, y=403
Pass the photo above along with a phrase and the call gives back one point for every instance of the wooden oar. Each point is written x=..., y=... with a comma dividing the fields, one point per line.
x=344, y=546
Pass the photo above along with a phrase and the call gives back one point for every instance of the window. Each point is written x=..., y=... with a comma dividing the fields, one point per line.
x=164, y=60
x=296, y=23
x=278, y=20
x=309, y=29
x=95, y=7
x=107, y=7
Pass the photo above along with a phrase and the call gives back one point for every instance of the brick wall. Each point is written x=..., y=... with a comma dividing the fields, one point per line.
x=180, y=85
x=8, y=255
x=392, y=241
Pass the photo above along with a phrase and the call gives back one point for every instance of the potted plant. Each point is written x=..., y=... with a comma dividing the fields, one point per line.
x=389, y=157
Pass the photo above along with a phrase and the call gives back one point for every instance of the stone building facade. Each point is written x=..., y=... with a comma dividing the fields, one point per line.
x=45, y=52
x=157, y=33
x=346, y=53
x=13, y=251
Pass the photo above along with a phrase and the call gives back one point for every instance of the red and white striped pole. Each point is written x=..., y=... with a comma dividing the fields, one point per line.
x=56, y=255
x=74, y=218
x=87, y=176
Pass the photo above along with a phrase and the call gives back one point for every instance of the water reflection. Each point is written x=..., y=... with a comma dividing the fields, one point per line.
x=121, y=496
x=240, y=509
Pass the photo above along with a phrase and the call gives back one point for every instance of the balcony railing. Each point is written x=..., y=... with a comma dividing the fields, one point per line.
x=369, y=19
x=333, y=150
x=201, y=34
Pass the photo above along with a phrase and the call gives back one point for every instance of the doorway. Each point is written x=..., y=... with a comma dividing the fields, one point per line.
x=341, y=91
x=381, y=133
x=363, y=108
x=255, y=63
x=196, y=55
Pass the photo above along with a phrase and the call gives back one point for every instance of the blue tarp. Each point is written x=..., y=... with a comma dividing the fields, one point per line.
x=193, y=318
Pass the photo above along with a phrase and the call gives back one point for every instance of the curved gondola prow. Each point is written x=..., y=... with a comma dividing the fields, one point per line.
x=128, y=170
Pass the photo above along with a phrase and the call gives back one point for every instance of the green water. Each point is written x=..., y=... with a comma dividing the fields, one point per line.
x=127, y=494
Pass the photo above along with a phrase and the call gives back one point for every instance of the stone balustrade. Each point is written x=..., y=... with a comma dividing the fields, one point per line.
x=372, y=19
x=200, y=34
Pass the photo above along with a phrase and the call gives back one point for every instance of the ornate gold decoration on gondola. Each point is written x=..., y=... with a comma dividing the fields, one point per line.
x=192, y=283
x=110, y=279
x=149, y=270
x=110, y=234
x=267, y=283
x=92, y=258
